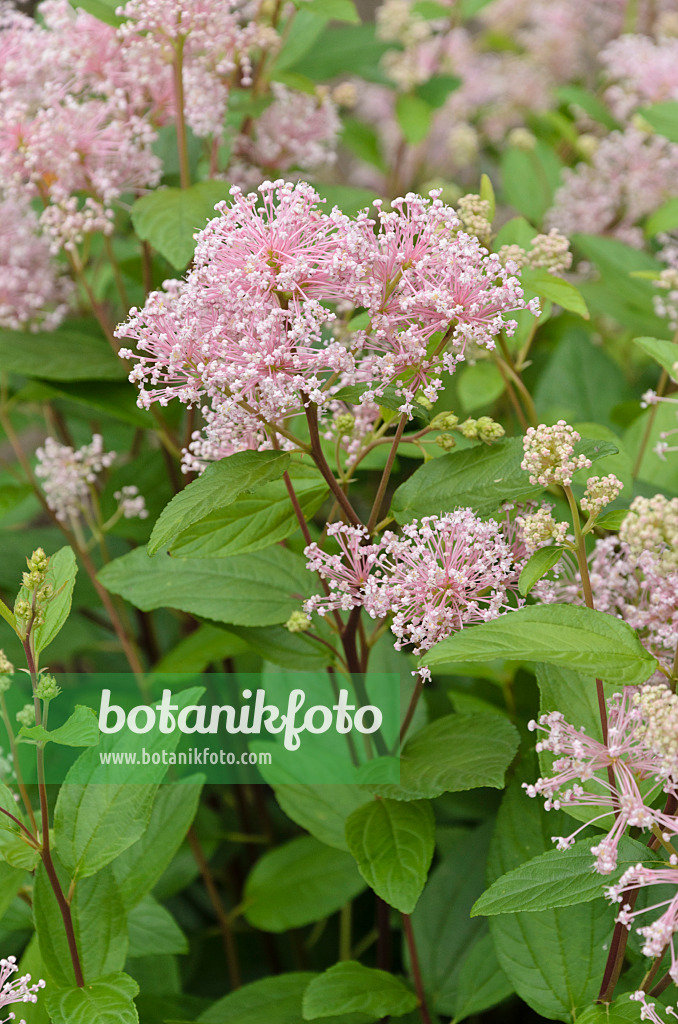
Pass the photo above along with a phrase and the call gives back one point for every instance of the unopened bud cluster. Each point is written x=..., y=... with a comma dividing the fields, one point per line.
x=600, y=491
x=6, y=672
x=26, y=716
x=539, y=527
x=35, y=593
x=47, y=688
x=476, y=216
x=298, y=622
x=659, y=707
x=549, y=454
x=549, y=252
x=483, y=429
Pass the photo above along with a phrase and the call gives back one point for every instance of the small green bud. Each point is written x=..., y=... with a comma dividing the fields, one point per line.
x=46, y=593
x=469, y=428
x=344, y=423
x=488, y=430
x=6, y=666
x=23, y=610
x=446, y=441
x=38, y=561
x=26, y=716
x=31, y=580
x=444, y=421
x=47, y=688
x=298, y=622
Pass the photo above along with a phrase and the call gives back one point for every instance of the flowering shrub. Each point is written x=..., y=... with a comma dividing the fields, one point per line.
x=338, y=346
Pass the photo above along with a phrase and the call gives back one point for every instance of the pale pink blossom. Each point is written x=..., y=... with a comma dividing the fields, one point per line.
x=18, y=991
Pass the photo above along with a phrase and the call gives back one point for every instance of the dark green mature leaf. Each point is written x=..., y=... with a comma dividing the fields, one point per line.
x=321, y=810
x=252, y=1004
x=80, y=730
x=537, y=566
x=338, y=50
x=169, y=218
x=216, y=488
x=153, y=931
x=252, y=522
x=297, y=883
x=558, y=634
x=557, y=878
x=481, y=983
x=547, y=286
x=99, y=923
x=445, y=934
x=348, y=987
x=65, y=354
x=553, y=958
x=622, y=1011
x=393, y=844
x=663, y=352
x=454, y=753
x=481, y=478
x=108, y=1000
x=139, y=867
x=204, y=646
x=289, y=650
x=258, y=589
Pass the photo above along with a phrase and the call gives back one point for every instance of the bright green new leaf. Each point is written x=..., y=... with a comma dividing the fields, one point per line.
x=297, y=883
x=393, y=844
x=454, y=753
x=81, y=730
x=69, y=353
x=153, y=931
x=558, y=634
x=414, y=116
x=612, y=521
x=169, y=218
x=331, y=10
x=108, y=1000
x=537, y=566
x=663, y=117
x=665, y=218
x=216, y=488
x=348, y=987
x=547, y=286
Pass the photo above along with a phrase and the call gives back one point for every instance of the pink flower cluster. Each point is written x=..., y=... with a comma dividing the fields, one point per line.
x=439, y=575
x=251, y=327
x=18, y=991
x=549, y=454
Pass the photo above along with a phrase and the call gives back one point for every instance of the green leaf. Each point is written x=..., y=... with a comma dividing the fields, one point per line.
x=577, y=96
x=435, y=90
x=487, y=193
x=80, y=730
x=663, y=352
x=253, y=1003
x=153, y=931
x=258, y=589
x=481, y=478
x=217, y=487
x=308, y=27
x=11, y=880
x=349, y=199
x=612, y=521
x=362, y=140
x=547, y=286
x=553, y=958
x=170, y=217
x=414, y=117
x=530, y=178
x=252, y=522
x=99, y=924
x=107, y=1001
x=557, y=878
x=663, y=219
x=205, y=646
x=444, y=932
x=66, y=354
x=61, y=574
x=338, y=50
x=321, y=810
x=140, y=866
x=297, y=883
x=331, y=10
x=479, y=384
x=537, y=566
x=348, y=987
x=455, y=753
x=289, y=650
x=481, y=983
x=580, y=638
x=393, y=844
x=622, y=1011
x=7, y=614
x=663, y=117
x=104, y=10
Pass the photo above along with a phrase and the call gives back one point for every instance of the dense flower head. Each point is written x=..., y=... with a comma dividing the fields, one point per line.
x=652, y=525
x=33, y=292
x=648, y=1010
x=549, y=252
x=659, y=933
x=600, y=491
x=538, y=528
x=642, y=71
x=549, y=454
x=18, y=991
x=611, y=773
x=68, y=474
x=439, y=575
x=252, y=324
